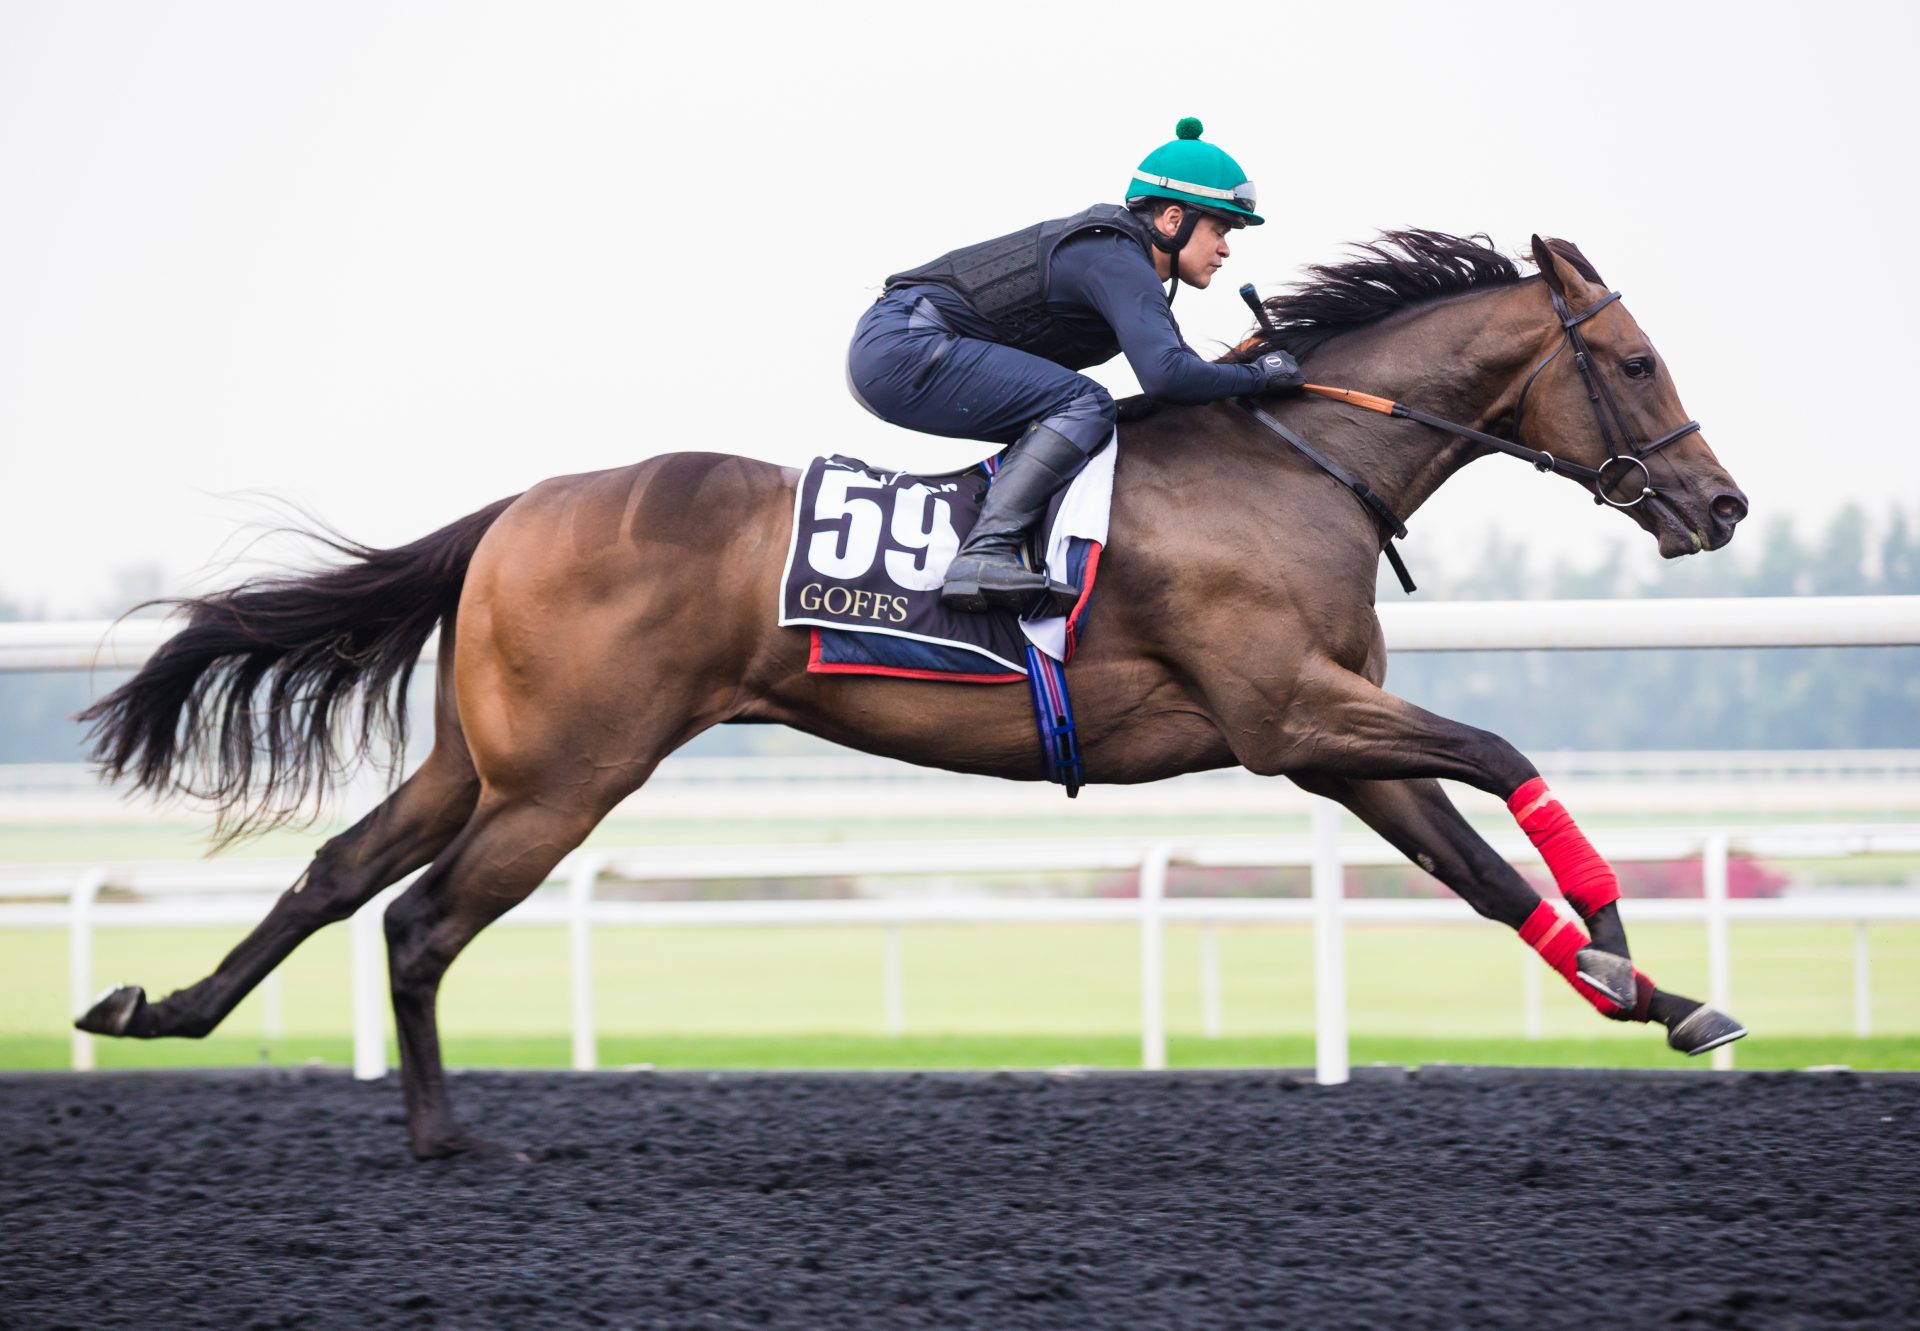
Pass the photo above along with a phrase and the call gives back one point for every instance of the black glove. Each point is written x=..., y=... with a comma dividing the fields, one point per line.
x=1283, y=372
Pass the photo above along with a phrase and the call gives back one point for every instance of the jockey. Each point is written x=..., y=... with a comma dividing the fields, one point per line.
x=985, y=343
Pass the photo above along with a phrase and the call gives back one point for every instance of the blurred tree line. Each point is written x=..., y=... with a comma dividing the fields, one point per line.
x=1714, y=699
x=1781, y=698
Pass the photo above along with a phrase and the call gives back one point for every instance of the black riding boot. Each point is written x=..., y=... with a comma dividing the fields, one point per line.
x=987, y=570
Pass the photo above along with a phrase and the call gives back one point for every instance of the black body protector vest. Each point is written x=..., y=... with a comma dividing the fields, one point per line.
x=1005, y=281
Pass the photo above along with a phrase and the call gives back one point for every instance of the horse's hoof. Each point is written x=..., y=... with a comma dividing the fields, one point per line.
x=114, y=1010
x=464, y=1145
x=1702, y=1029
x=1611, y=975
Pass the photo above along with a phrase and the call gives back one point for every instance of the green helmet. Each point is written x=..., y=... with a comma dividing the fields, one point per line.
x=1196, y=173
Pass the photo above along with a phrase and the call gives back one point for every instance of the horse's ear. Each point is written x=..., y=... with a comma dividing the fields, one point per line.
x=1567, y=272
x=1544, y=258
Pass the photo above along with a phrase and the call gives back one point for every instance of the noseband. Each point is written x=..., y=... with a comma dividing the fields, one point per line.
x=1601, y=399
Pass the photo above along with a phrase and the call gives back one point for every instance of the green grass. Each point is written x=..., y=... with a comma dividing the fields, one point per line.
x=991, y=996
x=976, y=1051
x=963, y=1052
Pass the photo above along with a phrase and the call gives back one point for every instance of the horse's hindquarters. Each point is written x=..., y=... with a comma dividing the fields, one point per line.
x=610, y=617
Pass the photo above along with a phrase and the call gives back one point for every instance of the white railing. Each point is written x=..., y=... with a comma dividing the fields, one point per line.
x=199, y=894
x=1437, y=626
x=1443, y=626
x=842, y=770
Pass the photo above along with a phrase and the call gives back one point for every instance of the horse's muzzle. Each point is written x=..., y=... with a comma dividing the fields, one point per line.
x=1725, y=511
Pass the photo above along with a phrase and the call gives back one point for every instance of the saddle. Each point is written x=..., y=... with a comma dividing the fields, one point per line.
x=870, y=549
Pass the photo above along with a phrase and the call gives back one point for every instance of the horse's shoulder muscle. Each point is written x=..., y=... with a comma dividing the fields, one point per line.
x=1209, y=526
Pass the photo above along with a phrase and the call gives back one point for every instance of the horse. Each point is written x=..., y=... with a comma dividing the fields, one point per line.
x=597, y=622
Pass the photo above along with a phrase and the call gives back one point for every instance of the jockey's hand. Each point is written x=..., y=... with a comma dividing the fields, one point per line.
x=1283, y=372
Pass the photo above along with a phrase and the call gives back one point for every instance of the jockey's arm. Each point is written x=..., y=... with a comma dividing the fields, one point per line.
x=1110, y=274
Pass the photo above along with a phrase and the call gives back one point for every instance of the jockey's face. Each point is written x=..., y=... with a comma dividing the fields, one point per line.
x=1205, y=250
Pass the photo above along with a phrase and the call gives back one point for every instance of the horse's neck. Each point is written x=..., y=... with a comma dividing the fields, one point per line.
x=1461, y=360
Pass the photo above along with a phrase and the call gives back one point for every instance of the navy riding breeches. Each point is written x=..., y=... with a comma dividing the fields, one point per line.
x=909, y=367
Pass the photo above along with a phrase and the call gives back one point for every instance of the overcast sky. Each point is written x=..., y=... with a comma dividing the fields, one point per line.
x=390, y=261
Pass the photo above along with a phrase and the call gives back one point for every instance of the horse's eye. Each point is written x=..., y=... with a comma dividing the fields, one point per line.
x=1640, y=367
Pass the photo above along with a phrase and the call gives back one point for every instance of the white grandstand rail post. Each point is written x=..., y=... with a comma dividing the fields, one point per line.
x=1211, y=1023
x=1862, y=983
x=582, y=878
x=1530, y=1005
x=893, y=996
x=1330, y=1065
x=1713, y=881
x=365, y=790
x=370, y=988
x=1153, y=998
x=80, y=899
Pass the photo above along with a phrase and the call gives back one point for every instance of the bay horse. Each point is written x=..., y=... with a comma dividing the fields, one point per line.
x=595, y=623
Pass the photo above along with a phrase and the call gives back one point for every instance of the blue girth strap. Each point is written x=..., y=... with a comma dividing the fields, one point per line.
x=1052, y=709
x=1053, y=714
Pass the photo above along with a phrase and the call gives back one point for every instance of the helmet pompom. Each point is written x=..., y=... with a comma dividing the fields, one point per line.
x=1188, y=128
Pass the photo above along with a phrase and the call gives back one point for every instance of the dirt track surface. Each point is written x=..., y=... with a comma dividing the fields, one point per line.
x=277, y=1200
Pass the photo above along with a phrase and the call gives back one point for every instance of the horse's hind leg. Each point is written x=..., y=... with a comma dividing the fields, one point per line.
x=414, y=824
x=1346, y=737
x=505, y=852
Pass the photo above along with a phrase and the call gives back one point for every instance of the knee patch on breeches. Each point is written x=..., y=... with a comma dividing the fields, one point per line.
x=1087, y=420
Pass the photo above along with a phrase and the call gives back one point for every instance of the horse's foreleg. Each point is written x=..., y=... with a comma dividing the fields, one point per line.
x=1345, y=727
x=405, y=832
x=1378, y=754
x=1417, y=819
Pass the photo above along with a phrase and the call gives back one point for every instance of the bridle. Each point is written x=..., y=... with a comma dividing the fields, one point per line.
x=1603, y=404
x=1621, y=449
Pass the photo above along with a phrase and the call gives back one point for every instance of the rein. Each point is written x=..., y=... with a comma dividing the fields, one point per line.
x=1395, y=528
x=1598, y=397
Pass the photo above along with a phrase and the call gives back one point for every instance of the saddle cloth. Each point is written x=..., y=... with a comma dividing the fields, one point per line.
x=871, y=547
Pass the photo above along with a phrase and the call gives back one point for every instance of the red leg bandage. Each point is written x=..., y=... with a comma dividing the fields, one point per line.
x=1558, y=940
x=1585, y=880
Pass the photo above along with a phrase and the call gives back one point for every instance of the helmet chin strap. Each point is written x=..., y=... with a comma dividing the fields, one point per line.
x=1172, y=245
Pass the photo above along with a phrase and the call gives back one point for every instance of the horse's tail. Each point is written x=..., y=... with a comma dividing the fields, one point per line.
x=243, y=706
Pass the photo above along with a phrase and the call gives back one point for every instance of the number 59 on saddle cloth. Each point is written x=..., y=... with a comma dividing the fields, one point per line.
x=870, y=549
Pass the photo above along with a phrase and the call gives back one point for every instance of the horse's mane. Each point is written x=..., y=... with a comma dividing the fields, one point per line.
x=1394, y=272
x=1398, y=270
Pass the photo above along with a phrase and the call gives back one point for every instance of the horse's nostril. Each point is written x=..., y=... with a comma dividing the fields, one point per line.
x=1729, y=508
